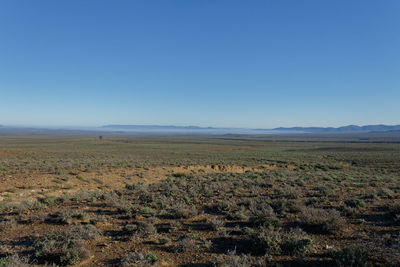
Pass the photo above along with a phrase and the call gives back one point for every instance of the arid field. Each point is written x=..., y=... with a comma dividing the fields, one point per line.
x=231, y=200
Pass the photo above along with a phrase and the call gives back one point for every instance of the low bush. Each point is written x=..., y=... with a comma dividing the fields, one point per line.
x=263, y=215
x=223, y=206
x=185, y=244
x=322, y=221
x=394, y=213
x=296, y=242
x=215, y=223
x=180, y=211
x=351, y=257
x=267, y=241
x=385, y=193
x=60, y=217
x=274, y=242
x=233, y=260
x=141, y=229
x=239, y=214
x=142, y=259
x=355, y=203
x=15, y=261
x=85, y=232
x=64, y=247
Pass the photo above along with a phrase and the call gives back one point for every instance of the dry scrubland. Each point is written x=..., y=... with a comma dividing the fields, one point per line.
x=199, y=201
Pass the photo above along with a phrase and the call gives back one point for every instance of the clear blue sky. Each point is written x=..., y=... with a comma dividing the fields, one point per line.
x=201, y=62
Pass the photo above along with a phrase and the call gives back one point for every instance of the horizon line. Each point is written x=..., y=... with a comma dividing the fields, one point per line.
x=193, y=126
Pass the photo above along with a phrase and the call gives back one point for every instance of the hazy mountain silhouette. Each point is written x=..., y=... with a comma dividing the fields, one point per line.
x=343, y=129
x=155, y=127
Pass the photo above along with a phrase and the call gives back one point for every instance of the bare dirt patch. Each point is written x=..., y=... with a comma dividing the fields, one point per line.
x=29, y=186
x=7, y=154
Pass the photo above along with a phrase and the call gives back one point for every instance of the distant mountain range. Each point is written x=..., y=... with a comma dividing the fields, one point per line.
x=155, y=127
x=172, y=129
x=343, y=129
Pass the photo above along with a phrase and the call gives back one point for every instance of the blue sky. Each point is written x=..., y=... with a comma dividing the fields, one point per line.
x=207, y=62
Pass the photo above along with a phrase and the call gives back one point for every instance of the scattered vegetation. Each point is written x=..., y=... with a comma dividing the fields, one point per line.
x=247, y=202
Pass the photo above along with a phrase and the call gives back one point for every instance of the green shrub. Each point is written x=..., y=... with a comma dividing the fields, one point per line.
x=64, y=247
x=141, y=259
x=262, y=214
x=233, y=260
x=179, y=175
x=61, y=217
x=385, y=193
x=148, y=210
x=267, y=241
x=61, y=247
x=322, y=221
x=223, y=206
x=151, y=257
x=274, y=242
x=296, y=242
x=15, y=261
x=141, y=229
x=238, y=215
x=355, y=203
x=351, y=257
x=180, y=211
x=185, y=244
x=215, y=223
